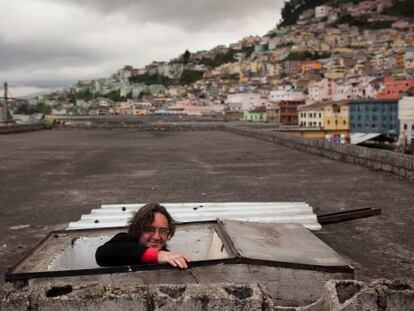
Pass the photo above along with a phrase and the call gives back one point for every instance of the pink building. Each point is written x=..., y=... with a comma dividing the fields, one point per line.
x=321, y=90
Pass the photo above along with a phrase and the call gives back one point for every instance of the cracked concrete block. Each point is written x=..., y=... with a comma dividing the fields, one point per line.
x=11, y=300
x=348, y=295
x=223, y=297
x=98, y=297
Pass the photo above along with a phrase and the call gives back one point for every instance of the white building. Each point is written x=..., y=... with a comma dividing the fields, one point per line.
x=286, y=93
x=125, y=73
x=409, y=59
x=406, y=118
x=311, y=115
x=322, y=11
x=243, y=101
x=342, y=91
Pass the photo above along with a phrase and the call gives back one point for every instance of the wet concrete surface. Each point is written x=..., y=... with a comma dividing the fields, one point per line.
x=49, y=178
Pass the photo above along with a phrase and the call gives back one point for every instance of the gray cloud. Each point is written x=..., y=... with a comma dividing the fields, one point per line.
x=191, y=15
x=55, y=42
x=24, y=54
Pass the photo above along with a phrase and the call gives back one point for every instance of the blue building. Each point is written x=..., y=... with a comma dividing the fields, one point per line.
x=374, y=116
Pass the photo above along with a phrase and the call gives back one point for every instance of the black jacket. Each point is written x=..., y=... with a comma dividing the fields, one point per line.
x=122, y=250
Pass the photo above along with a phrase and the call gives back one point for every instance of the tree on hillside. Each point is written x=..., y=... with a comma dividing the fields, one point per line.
x=25, y=108
x=402, y=8
x=293, y=8
x=186, y=57
x=43, y=108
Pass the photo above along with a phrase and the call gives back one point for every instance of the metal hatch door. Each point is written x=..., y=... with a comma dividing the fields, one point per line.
x=282, y=244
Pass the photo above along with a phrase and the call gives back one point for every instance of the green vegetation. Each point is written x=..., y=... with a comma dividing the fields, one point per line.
x=248, y=50
x=379, y=25
x=149, y=79
x=403, y=8
x=187, y=76
x=43, y=108
x=85, y=95
x=306, y=55
x=362, y=23
x=190, y=76
x=220, y=59
x=233, y=77
x=27, y=109
x=283, y=75
x=186, y=57
x=115, y=96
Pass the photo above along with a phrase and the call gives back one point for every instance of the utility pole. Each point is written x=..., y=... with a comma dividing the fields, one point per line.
x=5, y=107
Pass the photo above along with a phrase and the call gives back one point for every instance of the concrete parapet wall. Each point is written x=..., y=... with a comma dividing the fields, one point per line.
x=156, y=127
x=344, y=295
x=399, y=164
x=20, y=128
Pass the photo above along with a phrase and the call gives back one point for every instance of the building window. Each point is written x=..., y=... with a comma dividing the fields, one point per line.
x=344, y=122
x=405, y=126
x=329, y=122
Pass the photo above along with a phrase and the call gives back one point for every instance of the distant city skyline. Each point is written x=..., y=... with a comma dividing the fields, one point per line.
x=46, y=45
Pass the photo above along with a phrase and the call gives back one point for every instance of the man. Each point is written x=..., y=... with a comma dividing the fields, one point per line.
x=148, y=232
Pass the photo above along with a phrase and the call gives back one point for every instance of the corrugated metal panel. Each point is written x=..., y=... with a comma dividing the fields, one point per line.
x=116, y=215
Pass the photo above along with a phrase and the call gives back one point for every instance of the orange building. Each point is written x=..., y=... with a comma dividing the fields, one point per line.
x=394, y=88
x=310, y=66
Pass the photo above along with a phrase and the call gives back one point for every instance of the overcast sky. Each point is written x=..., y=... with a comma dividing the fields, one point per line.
x=46, y=44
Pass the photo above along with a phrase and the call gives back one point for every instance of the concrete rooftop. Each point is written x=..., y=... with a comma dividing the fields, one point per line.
x=49, y=178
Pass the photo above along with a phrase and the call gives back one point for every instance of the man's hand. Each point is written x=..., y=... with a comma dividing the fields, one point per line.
x=174, y=259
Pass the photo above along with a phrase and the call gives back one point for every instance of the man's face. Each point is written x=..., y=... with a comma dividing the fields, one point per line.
x=156, y=235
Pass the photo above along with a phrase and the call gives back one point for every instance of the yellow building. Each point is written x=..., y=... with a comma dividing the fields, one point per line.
x=336, y=116
x=243, y=79
x=399, y=59
x=335, y=72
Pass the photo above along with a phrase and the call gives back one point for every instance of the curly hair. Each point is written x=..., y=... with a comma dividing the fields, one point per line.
x=144, y=217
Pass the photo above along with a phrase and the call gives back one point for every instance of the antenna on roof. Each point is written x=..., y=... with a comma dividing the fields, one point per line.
x=6, y=115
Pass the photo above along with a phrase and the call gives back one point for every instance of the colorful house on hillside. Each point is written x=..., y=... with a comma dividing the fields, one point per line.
x=273, y=113
x=289, y=112
x=394, y=88
x=257, y=114
x=311, y=66
x=374, y=116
